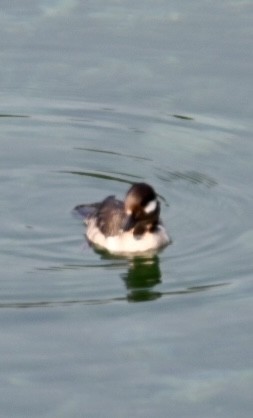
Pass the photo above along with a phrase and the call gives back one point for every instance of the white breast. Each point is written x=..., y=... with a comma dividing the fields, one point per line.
x=125, y=242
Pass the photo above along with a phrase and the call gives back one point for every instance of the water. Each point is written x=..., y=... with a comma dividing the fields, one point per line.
x=96, y=96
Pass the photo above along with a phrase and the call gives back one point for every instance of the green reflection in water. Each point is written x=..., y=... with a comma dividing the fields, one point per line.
x=96, y=175
x=141, y=278
x=183, y=117
x=193, y=177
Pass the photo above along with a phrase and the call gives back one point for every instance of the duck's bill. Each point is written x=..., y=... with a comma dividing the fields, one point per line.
x=129, y=223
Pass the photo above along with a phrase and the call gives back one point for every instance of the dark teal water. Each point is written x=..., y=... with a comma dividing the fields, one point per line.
x=96, y=96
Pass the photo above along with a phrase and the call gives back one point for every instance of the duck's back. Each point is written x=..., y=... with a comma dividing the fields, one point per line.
x=108, y=216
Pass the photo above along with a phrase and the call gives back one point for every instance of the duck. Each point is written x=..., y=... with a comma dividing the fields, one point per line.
x=129, y=226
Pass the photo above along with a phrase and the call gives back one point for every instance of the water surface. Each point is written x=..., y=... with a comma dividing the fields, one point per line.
x=95, y=97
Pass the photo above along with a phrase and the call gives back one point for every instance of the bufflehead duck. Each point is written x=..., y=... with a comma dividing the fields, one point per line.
x=132, y=226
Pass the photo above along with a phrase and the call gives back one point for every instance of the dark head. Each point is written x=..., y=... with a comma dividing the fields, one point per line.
x=142, y=209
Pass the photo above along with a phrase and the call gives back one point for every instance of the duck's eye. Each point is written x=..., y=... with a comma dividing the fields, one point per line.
x=150, y=206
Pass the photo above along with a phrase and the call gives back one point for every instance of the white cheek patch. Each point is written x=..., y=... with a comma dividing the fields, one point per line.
x=151, y=206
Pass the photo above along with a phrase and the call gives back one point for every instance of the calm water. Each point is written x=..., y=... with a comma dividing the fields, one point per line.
x=95, y=96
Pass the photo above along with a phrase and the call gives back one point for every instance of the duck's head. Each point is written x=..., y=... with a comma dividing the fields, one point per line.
x=142, y=209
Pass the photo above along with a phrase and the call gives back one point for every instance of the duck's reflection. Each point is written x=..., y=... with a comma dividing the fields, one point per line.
x=141, y=277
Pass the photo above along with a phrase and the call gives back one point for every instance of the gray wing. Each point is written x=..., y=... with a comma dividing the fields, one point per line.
x=110, y=216
x=86, y=211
